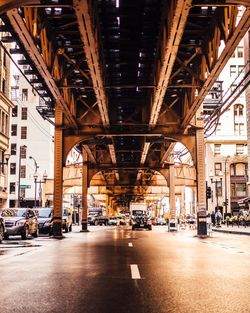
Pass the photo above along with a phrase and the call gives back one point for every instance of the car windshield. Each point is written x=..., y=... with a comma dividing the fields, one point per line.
x=44, y=213
x=14, y=212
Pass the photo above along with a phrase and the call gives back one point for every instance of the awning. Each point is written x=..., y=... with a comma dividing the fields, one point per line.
x=244, y=201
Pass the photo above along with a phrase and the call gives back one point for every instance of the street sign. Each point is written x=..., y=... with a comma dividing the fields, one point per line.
x=25, y=186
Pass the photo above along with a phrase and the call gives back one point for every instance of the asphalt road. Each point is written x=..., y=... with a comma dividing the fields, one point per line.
x=115, y=270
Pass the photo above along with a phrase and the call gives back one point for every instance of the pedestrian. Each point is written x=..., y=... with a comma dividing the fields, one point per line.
x=218, y=217
x=213, y=218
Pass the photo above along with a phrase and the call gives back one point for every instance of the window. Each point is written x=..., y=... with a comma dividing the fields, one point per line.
x=12, y=168
x=218, y=187
x=232, y=70
x=233, y=87
x=24, y=113
x=241, y=189
x=13, y=130
x=240, y=52
x=24, y=94
x=23, y=171
x=217, y=168
x=233, y=193
x=6, y=125
x=14, y=111
x=3, y=86
x=23, y=132
x=12, y=188
x=22, y=193
x=3, y=122
x=239, y=128
x=14, y=93
x=218, y=128
x=240, y=69
x=240, y=169
x=13, y=149
x=217, y=149
x=239, y=149
x=23, y=152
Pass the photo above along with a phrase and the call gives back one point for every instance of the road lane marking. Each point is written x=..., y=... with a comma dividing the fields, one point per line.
x=135, y=271
x=130, y=244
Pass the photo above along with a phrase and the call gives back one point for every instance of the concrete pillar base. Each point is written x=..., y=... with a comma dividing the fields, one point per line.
x=57, y=230
x=84, y=231
x=84, y=228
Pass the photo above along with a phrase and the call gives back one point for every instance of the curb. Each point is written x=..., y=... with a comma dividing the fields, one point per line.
x=232, y=232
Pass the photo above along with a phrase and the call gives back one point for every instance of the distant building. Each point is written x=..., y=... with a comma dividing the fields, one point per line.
x=5, y=113
x=32, y=147
x=226, y=142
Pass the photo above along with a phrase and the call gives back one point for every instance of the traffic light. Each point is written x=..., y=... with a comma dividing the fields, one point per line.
x=209, y=193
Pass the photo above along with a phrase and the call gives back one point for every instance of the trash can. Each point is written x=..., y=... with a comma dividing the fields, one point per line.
x=202, y=222
x=173, y=224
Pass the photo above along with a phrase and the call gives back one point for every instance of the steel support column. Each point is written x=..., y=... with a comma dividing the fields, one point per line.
x=201, y=182
x=172, y=191
x=58, y=173
x=84, y=191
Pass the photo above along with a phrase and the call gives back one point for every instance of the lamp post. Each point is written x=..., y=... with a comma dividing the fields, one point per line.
x=226, y=199
x=19, y=174
x=216, y=181
x=40, y=182
x=35, y=176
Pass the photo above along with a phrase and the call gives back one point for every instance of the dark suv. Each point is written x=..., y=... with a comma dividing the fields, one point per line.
x=45, y=220
x=19, y=221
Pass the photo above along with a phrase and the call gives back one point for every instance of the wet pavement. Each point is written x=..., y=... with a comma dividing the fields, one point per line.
x=112, y=269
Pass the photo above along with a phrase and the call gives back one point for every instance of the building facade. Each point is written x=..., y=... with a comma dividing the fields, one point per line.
x=226, y=142
x=5, y=113
x=32, y=147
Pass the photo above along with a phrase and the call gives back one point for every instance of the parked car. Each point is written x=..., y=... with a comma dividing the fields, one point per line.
x=101, y=220
x=67, y=220
x=20, y=221
x=113, y=221
x=161, y=221
x=91, y=219
x=45, y=220
x=1, y=229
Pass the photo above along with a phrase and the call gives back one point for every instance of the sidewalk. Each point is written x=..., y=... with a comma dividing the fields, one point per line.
x=241, y=230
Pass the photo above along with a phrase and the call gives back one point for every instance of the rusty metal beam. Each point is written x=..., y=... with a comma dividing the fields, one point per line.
x=7, y=5
x=169, y=56
x=89, y=36
x=90, y=154
x=167, y=153
x=26, y=39
x=231, y=45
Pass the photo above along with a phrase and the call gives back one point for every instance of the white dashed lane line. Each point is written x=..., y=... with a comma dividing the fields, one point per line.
x=135, y=274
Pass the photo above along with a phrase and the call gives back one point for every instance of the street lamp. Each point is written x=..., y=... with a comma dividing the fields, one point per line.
x=226, y=199
x=35, y=176
x=19, y=175
x=6, y=160
x=216, y=181
x=40, y=182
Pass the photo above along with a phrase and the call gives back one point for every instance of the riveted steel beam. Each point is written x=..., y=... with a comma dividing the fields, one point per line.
x=89, y=36
x=25, y=38
x=170, y=50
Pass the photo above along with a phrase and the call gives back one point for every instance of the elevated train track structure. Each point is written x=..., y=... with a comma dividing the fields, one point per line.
x=123, y=80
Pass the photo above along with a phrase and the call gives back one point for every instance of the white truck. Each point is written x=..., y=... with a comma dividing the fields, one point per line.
x=139, y=216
